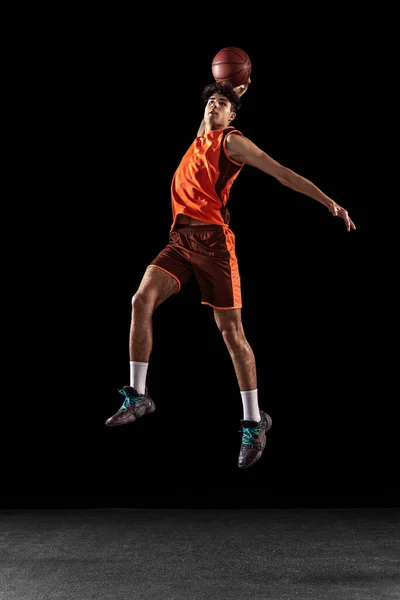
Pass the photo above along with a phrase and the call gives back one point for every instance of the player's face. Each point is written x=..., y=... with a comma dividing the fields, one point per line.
x=218, y=112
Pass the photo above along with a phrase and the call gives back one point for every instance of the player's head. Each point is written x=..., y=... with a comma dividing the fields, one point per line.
x=222, y=104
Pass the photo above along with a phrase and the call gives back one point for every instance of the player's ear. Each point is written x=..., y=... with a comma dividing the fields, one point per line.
x=232, y=116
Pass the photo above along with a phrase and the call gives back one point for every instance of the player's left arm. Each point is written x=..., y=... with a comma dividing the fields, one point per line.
x=243, y=150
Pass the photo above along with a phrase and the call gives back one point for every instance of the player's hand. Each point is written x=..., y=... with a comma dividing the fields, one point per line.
x=339, y=211
x=241, y=89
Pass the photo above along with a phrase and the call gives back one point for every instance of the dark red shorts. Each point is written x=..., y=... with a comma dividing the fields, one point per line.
x=206, y=252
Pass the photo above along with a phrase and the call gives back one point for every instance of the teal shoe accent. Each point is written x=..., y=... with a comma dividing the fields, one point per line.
x=249, y=433
x=128, y=399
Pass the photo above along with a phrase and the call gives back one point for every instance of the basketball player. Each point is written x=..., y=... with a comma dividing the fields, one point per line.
x=201, y=245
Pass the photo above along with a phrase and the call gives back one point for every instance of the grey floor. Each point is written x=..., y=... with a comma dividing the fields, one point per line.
x=200, y=554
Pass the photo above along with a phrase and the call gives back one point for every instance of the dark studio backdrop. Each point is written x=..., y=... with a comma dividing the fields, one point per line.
x=308, y=286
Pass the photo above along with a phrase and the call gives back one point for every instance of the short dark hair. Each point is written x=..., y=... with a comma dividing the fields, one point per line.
x=225, y=89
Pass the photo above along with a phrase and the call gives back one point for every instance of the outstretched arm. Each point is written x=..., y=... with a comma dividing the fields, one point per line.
x=243, y=150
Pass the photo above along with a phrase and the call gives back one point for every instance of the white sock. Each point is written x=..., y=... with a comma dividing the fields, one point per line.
x=251, y=411
x=138, y=376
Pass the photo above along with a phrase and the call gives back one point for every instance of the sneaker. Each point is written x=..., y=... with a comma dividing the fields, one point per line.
x=135, y=405
x=253, y=440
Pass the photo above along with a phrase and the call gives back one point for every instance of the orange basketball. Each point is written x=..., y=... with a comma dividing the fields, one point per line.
x=231, y=64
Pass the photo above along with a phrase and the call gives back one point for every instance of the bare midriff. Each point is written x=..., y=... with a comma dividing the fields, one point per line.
x=185, y=220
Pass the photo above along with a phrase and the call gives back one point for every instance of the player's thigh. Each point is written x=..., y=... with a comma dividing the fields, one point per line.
x=156, y=286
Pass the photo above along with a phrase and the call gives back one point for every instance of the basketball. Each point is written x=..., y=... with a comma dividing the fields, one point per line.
x=231, y=64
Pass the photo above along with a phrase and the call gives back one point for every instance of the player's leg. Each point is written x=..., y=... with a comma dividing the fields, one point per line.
x=229, y=322
x=255, y=423
x=156, y=286
x=217, y=273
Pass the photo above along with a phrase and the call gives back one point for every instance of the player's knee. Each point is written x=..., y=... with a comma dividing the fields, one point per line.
x=229, y=328
x=141, y=302
x=232, y=334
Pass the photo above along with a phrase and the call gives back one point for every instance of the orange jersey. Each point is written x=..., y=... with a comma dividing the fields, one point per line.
x=202, y=182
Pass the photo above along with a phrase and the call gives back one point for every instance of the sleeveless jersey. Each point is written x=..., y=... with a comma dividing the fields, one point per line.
x=202, y=182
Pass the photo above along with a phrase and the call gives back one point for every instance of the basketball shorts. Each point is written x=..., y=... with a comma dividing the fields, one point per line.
x=207, y=254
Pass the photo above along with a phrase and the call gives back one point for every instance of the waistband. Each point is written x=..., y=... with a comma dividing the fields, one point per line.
x=191, y=228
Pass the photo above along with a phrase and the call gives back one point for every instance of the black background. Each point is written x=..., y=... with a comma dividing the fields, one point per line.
x=123, y=106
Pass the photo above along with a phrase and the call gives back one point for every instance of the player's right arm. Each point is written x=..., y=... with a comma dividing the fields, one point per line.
x=202, y=129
